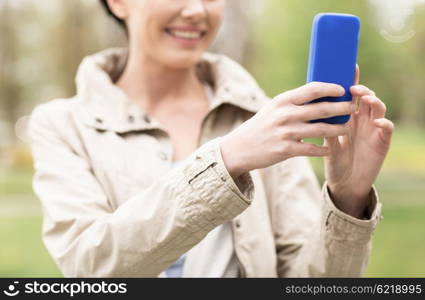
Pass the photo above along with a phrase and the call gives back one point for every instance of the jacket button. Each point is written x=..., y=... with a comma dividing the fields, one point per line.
x=146, y=119
x=162, y=156
x=131, y=119
x=254, y=98
x=99, y=120
x=238, y=224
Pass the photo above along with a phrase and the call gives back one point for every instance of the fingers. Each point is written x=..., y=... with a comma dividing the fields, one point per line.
x=376, y=106
x=305, y=149
x=322, y=110
x=316, y=130
x=357, y=77
x=369, y=103
x=386, y=125
x=361, y=90
x=333, y=143
x=310, y=92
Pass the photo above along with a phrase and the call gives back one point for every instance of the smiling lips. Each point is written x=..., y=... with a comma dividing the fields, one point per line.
x=186, y=34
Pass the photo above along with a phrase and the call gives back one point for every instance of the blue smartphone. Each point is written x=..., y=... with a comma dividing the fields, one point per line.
x=333, y=56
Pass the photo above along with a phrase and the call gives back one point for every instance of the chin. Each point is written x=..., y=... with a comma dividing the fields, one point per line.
x=181, y=59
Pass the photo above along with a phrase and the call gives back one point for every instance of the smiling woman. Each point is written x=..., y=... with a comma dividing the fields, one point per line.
x=176, y=36
x=171, y=161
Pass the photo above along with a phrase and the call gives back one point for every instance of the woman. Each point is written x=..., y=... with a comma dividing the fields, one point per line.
x=170, y=161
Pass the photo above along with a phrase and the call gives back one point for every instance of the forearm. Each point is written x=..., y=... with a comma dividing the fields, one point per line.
x=339, y=247
x=145, y=234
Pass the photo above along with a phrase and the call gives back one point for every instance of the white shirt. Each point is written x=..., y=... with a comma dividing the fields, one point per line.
x=214, y=256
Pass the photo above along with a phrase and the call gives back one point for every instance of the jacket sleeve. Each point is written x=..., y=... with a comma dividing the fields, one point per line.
x=313, y=237
x=146, y=234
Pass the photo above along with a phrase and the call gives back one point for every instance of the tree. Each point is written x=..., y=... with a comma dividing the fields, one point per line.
x=9, y=87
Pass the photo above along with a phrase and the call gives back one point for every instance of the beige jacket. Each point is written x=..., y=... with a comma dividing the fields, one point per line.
x=113, y=207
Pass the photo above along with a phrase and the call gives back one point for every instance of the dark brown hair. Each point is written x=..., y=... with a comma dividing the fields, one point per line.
x=121, y=22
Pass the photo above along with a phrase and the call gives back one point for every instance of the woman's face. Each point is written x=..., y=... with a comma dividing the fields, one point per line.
x=174, y=33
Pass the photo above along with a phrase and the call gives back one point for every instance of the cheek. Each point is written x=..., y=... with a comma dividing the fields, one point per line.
x=148, y=33
x=146, y=17
x=216, y=17
x=156, y=21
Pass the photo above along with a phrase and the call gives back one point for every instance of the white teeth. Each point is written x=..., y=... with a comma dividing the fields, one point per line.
x=192, y=35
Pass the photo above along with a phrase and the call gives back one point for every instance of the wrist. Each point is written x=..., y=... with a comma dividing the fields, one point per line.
x=231, y=157
x=353, y=204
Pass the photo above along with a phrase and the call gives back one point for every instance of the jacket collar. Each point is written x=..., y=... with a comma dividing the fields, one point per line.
x=104, y=106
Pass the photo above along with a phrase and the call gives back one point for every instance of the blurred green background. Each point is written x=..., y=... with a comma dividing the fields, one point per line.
x=42, y=43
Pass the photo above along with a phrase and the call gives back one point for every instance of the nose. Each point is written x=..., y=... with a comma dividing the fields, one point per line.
x=194, y=11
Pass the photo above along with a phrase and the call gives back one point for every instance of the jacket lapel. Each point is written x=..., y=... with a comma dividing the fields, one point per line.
x=104, y=106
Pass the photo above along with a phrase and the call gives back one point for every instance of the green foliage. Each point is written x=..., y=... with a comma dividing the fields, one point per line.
x=15, y=181
x=399, y=243
x=24, y=255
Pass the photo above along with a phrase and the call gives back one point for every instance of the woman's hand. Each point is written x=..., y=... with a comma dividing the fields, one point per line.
x=275, y=133
x=356, y=159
